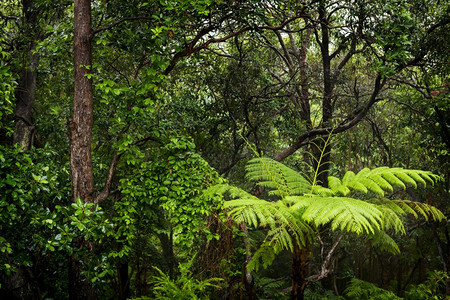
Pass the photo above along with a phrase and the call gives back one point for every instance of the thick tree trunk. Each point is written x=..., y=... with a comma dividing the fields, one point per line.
x=80, y=132
x=299, y=271
x=80, y=126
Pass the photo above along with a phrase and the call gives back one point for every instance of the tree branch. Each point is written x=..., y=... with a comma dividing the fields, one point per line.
x=112, y=169
x=192, y=48
x=107, y=27
x=10, y=18
x=325, y=269
x=304, y=138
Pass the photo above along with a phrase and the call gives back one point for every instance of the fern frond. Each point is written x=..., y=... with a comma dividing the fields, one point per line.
x=419, y=208
x=393, y=209
x=346, y=214
x=278, y=178
x=322, y=191
x=337, y=187
x=391, y=215
x=319, y=159
x=265, y=255
x=381, y=180
x=358, y=289
x=383, y=241
x=275, y=215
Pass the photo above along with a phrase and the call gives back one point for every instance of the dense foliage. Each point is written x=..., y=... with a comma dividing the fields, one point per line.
x=135, y=139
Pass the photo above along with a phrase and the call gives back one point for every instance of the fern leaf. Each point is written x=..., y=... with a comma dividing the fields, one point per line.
x=265, y=254
x=275, y=215
x=342, y=213
x=393, y=180
x=322, y=191
x=409, y=179
x=391, y=215
x=383, y=179
x=382, y=183
x=358, y=289
x=337, y=187
x=419, y=208
x=348, y=177
x=383, y=241
x=278, y=178
x=358, y=186
x=371, y=186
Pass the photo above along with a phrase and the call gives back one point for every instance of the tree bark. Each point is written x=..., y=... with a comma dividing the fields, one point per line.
x=80, y=126
x=79, y=287
x=299, y=271
x=80, y=133
x=247, y=276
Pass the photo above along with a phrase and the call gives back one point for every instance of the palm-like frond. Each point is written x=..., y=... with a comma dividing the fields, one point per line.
x=379, y=180
x=391, y=215
x=283, y=222
x=346, y=214
x=419, y=208
x=384, y=242
x=307, y=205
x=278, y=178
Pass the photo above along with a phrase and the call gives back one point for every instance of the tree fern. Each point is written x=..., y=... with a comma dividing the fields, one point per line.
x=306, y=205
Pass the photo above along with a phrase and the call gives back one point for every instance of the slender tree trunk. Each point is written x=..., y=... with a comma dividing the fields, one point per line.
x=167, y=249
x=299, y=271
x=26, y=88
x=328, y=86
x=25, y=94
x=80, y=132
x=124, y=281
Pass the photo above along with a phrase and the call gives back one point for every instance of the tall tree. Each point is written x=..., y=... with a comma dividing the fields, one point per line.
x=80, y=132
x=80, y=126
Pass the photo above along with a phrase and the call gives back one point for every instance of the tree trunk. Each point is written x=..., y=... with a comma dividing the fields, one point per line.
x=124, y=281
x=80, y=133
x=80, y=126
x=299, y=271
x=167, y=249
x=26, y=88
x=79, y=287
x=22, y=283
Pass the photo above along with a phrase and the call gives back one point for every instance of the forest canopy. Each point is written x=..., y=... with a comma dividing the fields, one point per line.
x=224, y=149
